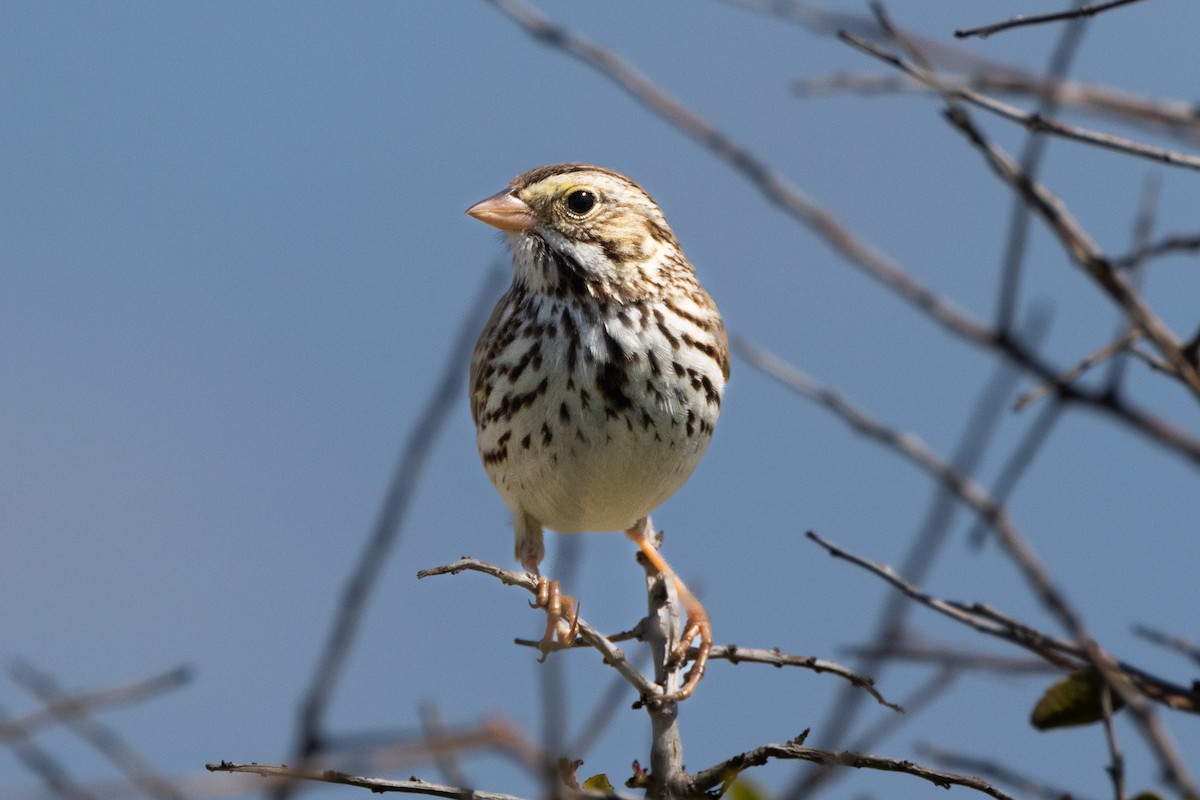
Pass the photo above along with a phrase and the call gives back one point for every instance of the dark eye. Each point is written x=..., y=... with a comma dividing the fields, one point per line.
x=581, y=201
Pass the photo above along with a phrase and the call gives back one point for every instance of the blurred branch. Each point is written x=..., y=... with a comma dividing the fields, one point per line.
x=71, y=706
x=1179, y=644
x=45, y=766
x=1035, y=122
x=838, y=236
x=1081, y=248
x=905, y=444
x=1059, y=652
x=425, y=431
x=995, y=772
x=446, y=760
x=106, y=741
x=1178, y=119
x=985, y=31
x=723, y=774
x=954, y=658
x=1172, y=244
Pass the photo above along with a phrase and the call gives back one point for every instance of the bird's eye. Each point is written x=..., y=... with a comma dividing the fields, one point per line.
x=581, y=201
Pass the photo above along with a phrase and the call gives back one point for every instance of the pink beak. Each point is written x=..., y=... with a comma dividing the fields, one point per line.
x=504, y=211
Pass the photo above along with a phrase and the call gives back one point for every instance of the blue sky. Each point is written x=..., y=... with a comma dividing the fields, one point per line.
x=233, y=258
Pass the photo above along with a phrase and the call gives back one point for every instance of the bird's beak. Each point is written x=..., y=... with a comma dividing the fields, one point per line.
x=505, y=211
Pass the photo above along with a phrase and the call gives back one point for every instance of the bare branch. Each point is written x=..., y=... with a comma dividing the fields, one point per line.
x=1081, y=248
x=287, y=776
x=985, y=31
x=723, y=773
x=735, y=654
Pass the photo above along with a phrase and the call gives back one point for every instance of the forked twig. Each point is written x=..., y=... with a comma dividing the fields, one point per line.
x=613, y=655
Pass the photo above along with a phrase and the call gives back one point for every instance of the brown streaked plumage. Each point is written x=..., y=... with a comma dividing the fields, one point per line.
x=597, y=382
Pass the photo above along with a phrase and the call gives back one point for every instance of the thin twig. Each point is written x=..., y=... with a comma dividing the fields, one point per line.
x=613, y=655
x=985, y=31
x=1036, y=122
x=1116, y=766
x=288, y=777
x=1179, y=644
x=735, y=655
x=1077, y=370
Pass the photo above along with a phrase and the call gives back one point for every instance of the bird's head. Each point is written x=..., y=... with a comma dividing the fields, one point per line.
x=578, y=226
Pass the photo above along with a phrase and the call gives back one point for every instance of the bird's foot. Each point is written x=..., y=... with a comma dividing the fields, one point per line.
x=698, y=625
x=562, y=617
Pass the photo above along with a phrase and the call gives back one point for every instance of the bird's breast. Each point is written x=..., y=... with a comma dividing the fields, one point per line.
x=588, y=414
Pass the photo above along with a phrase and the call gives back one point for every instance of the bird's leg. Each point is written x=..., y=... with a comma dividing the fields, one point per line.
x=562, y=612
x=697, y=624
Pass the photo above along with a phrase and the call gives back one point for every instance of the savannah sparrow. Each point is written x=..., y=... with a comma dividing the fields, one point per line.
x=597, y=381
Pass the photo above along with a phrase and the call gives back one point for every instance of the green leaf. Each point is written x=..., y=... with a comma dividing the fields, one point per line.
x=599, y=784
x=743, y=789
x=1075, y=700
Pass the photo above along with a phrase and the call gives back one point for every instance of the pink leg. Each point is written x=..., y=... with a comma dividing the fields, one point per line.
x=562, y=612
x=697, y=623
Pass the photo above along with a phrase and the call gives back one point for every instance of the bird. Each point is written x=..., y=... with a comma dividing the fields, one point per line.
x=596, y=383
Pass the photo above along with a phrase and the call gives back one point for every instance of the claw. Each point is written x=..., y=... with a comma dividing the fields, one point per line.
x=562, y=612
x=697, y=625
